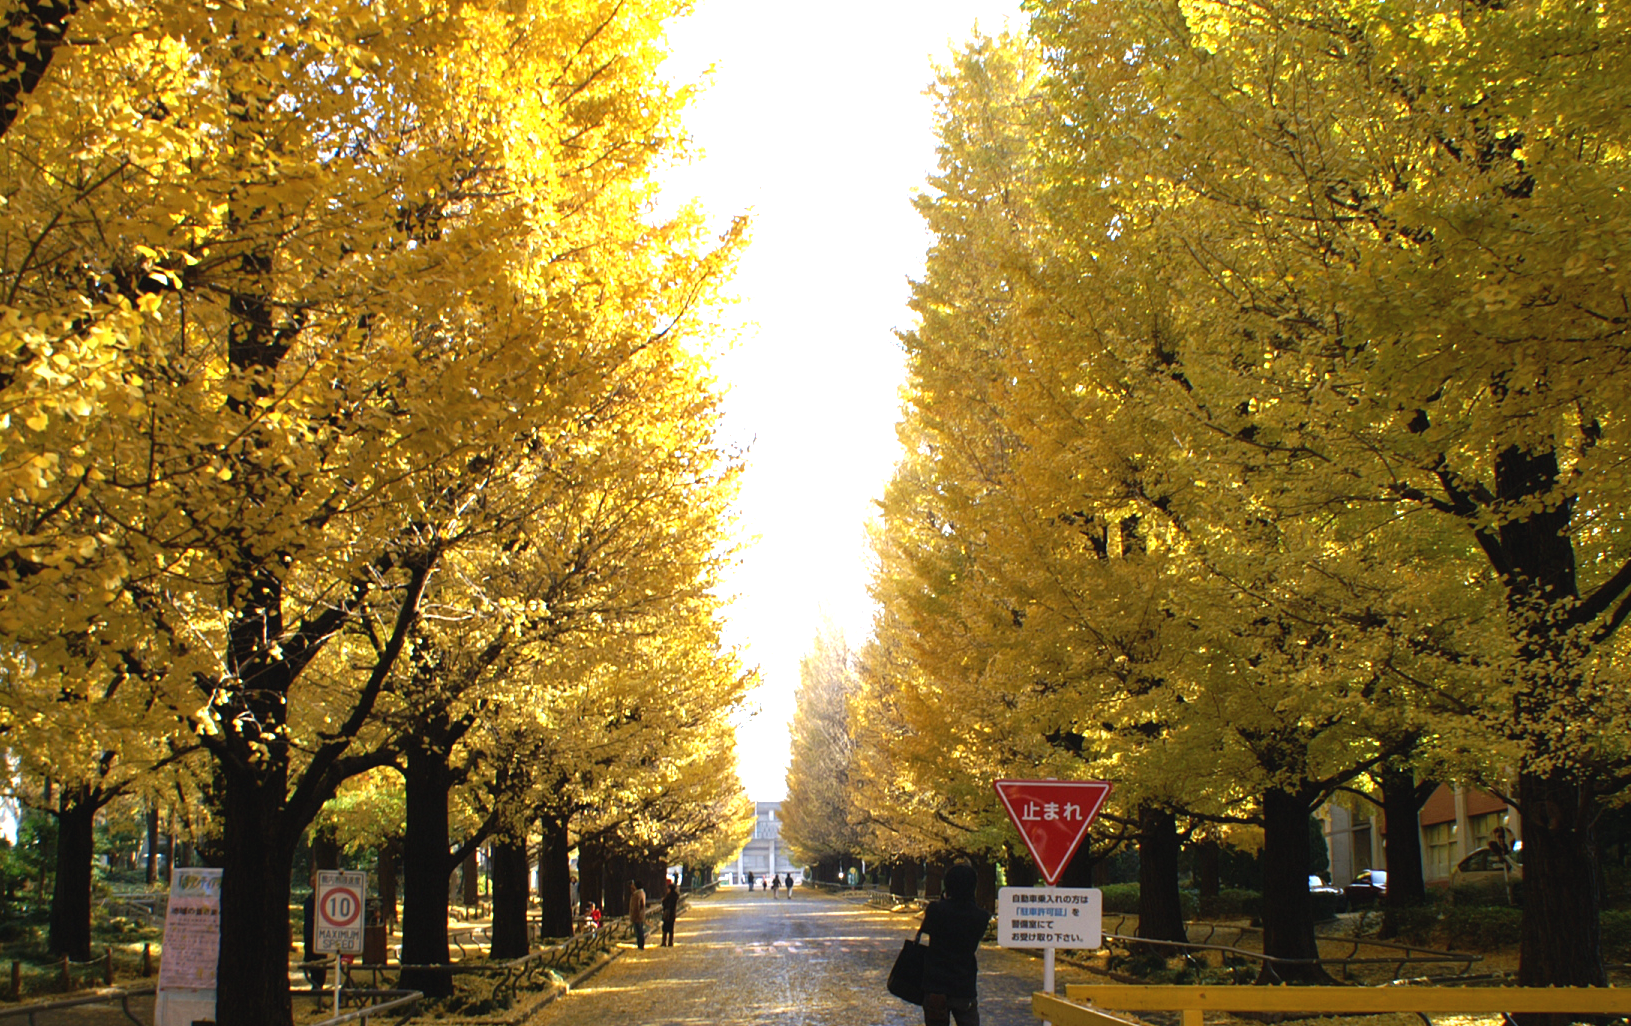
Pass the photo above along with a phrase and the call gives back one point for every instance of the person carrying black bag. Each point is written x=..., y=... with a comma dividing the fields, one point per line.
x=955, y=925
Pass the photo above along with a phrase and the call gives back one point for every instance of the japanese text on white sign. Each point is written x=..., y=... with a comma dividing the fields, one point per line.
x=1052, y=917
x=1040, y=812
x=192, y=930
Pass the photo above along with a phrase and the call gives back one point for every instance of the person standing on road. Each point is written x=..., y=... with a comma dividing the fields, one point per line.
x=775, y=886
x=750, y=881
x=671, y=912
x=954, y=926
x=317, y=975
x=637, y=913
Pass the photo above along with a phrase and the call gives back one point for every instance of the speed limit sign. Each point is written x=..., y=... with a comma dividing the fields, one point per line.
x=339, y=911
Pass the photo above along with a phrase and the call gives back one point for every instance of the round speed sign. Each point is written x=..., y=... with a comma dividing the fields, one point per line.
x=341, y=907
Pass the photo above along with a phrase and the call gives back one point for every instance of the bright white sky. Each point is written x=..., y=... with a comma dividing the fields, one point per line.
x=816, y=124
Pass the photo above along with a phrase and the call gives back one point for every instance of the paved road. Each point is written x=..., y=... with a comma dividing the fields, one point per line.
x=746, y=960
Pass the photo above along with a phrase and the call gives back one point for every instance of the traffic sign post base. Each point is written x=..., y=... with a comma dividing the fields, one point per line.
x=1047, y=975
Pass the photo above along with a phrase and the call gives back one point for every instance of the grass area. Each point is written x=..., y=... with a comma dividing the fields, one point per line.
x=41, y=974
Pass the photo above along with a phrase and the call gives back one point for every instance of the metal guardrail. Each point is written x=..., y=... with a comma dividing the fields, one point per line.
x=404, y=1001
x=511, y=976
x=100, y=997
x=1410, y=956
x=1085, y=1004
x=835, y=888
x=883, y=898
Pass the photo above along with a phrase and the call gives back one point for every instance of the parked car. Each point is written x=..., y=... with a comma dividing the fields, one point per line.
x=1328, y=900
x=1489, y=869
x=1367, y=888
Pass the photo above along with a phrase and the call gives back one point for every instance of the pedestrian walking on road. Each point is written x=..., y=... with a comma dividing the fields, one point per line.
x=671, y=912
x=637, y=913
x=775, y=886
x=789, y=886
x=750, y=881
x=954, y=926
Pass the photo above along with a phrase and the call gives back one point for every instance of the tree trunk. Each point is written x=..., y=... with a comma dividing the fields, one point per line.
x=1078, y=872
x=508, y=868
x=1160, y=906
x=70, y=932
x=653, y=876
x=386, y=867
x=555, y=880
x=152, y=846
x=616, y=889
x=591, y=875
x=1401, y=816
x=933, y=880
x=252, y=978
x=1561, y=886
x=985, y=884
x=325, y=849
x=1560, y=940
x=1208, y=868
x=1022, y=871
x=470, y=878
x=425, y=872
x=1288, y=907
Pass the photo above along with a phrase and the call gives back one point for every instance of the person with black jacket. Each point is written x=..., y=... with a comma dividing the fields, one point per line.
x=954, y=927
x=671, y=912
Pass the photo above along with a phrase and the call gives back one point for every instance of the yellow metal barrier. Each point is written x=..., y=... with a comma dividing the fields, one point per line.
x=1084, y=1004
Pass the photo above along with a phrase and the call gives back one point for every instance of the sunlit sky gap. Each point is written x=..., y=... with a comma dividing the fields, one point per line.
x=816, y=123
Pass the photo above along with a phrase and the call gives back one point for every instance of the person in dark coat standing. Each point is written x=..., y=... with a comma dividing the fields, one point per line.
x=954, y=927
x=671, y=912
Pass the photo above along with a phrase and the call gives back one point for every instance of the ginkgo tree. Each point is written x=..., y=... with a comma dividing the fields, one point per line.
x=1395, y=302
x=288, y=291
x=1078, y=557
x=818, y=817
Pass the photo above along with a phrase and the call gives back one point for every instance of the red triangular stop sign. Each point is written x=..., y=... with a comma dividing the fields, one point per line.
x=1053, y=817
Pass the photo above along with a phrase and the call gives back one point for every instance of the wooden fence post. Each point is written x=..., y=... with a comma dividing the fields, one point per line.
x=147, y=959
x=107, y=967
x=67, y=977
x=16, y=980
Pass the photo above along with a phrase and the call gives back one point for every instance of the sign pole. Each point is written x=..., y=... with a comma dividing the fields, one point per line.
x=1047, y=976
x=338, y=907
x=1047, y=969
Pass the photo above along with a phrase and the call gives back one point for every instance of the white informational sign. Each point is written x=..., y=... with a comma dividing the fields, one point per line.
x=339, y=911
x=1050, y=917
x=192, y=948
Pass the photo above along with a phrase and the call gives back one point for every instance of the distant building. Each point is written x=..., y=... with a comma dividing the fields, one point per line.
x=765, y=854
x=1454, y=823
